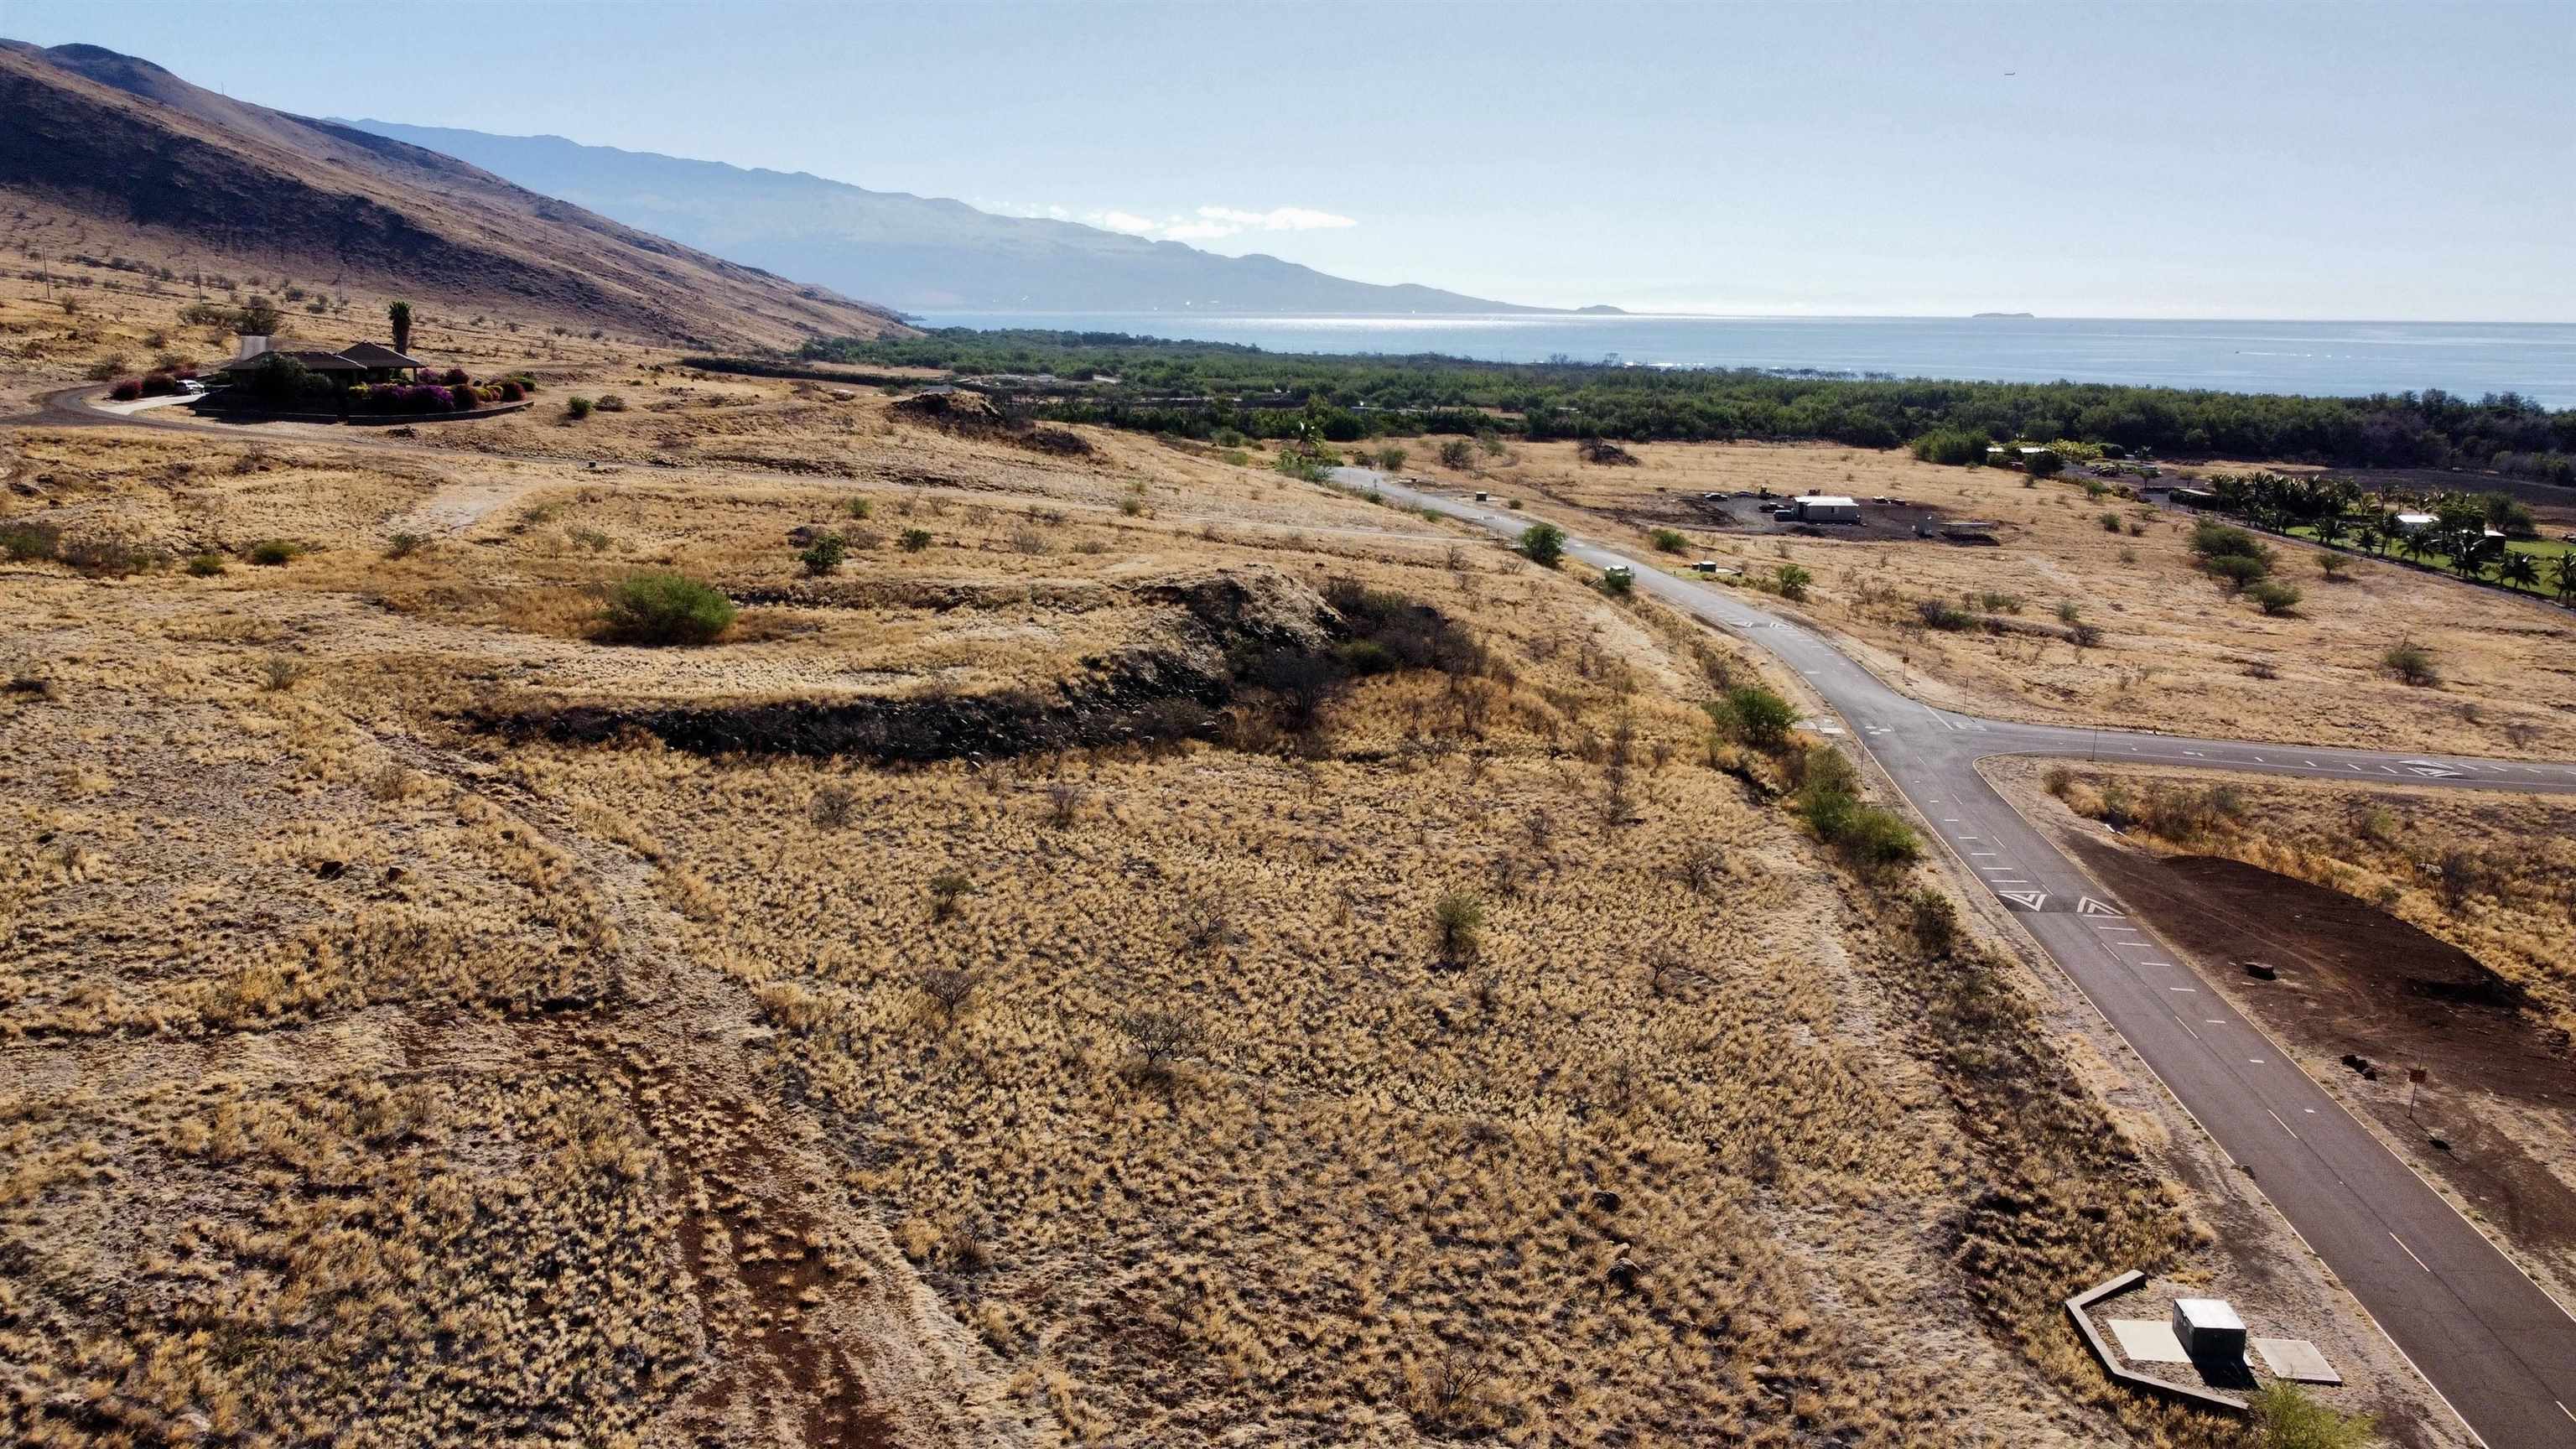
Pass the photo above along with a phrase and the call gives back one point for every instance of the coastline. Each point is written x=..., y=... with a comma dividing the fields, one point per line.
x=2320, y=359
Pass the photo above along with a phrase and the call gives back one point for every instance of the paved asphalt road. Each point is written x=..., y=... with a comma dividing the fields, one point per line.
x=2501, y=1350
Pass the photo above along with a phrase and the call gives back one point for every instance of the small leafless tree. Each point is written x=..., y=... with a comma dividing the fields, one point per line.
x=1540, y=828
x=948, y=988
x=833, y=806
x=1064, y=803
x=1161, y=1037
x=1206, y=924
x=1703, y=866
x=1444, y=1396
x=1666, y=969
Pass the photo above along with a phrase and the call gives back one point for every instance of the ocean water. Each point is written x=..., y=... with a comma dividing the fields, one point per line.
x=2537, y=360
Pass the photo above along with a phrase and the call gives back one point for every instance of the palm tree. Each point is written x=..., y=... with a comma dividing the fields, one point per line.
x=2519, y=569
x=2371, y=540
x=2562, y=575
x=399, y=314
x=2415, y=545
x=2330, y=528
x=2469, y=553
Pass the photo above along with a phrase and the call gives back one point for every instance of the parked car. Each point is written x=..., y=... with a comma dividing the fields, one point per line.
x=191, y=386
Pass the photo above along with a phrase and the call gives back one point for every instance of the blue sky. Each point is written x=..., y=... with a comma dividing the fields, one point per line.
x=2238, y=160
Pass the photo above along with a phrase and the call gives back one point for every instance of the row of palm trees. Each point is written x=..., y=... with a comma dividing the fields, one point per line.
x=2335, y=509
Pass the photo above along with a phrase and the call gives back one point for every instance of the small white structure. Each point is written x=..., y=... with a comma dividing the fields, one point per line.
x=1827, y=508
x=2412, y=522
x=2209, y=1329
x=1619, y=571
x=1705, y=566
x=1484, y=497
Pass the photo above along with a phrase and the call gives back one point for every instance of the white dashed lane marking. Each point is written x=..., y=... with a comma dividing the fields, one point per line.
x=2275, y=1116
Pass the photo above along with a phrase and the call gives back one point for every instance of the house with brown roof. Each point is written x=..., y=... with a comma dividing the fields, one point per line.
x=358, y=362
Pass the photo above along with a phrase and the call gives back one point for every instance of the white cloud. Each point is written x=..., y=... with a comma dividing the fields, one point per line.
x=1206, y=223
x=1279, y=218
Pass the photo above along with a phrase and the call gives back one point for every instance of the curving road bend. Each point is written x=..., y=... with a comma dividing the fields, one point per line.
x=2494, y=1344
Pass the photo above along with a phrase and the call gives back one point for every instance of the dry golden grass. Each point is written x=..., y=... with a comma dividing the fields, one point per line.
x=1128, y=1095
x=2176, y=653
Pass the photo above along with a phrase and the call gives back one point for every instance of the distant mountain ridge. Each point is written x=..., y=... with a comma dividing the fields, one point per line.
x=93, y=138
x=913, y=252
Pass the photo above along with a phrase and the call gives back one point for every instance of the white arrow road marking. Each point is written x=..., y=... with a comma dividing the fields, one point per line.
x=2028, y=900
x=2091, y=907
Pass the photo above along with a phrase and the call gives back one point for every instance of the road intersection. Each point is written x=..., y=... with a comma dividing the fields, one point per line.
x=2498, y=1348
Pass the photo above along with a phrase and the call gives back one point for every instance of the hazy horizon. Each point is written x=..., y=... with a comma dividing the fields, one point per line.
x=2393, y=163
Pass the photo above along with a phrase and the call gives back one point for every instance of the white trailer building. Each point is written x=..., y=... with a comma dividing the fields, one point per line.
x=1827, y=508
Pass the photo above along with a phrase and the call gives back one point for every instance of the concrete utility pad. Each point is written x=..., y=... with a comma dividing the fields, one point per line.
x=2148, y=1340
x=2296, y=1359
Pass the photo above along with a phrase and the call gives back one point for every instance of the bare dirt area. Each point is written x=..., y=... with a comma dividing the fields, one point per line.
x=1758, y=513
x=2364, y=996
x=2173, y=650
x=2357, y=982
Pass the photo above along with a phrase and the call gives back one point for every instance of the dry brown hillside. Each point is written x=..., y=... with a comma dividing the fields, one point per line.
x=102, y=152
